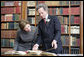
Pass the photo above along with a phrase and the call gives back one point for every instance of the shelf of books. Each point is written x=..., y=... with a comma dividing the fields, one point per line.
x=10, y=15
x=68, y=13
x=31, y=12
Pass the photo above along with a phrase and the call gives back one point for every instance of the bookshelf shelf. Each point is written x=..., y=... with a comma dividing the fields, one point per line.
x=65, y=45
x=59, y=6
x=75, y=34
x=75, y=46
x=10, y=13
x=75, y=14
x=8, y=21
x=65, y=33
x=9, y=6
x=75, y=24
x=7, y=47
x=31, y=15
x=66, y=15
x=31, y=6
x=9, y=29
x=7, y=38
x=74, y=5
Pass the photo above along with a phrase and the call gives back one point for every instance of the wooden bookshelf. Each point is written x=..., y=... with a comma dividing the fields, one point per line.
x=81, y=29
x=10, y=16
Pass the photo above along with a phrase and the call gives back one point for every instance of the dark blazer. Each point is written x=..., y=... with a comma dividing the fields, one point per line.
x=48, y=32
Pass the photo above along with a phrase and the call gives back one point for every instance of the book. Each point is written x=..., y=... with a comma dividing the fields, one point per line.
x=17, y=3
x=10, y=10
x=65, y=40
x=5, y=43
x=65, y=11
x=8, y=34
x=10, y=25
x=74, y=41
x=31, y=20
x=63, y=19
x=5, y=50
x=2, y=3
x=31, y=11
x=64, y=3
x=38, y=2
x=75, y=29
x=18, y=9
x=8, y=17
x=11, y=42
x=38, y=19
x=75, y=2
x=75, y=10
x=75, y=20
x=75, y=50
x=31, y=3
x=9, y=3
x=64, y=29
x=65, y=50
x=53, y=3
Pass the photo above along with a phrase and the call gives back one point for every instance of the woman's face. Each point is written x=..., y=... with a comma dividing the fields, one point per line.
x=27, y=28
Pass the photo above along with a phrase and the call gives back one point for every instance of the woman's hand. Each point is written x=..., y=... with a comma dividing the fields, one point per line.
x=35, y=47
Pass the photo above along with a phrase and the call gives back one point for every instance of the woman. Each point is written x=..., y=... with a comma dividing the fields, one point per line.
x=26, y=36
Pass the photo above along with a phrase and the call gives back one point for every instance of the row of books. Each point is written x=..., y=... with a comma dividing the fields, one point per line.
x=75, y=20
x=38, y=19
x=75, y=50
x=31, y=3
x=56, y=3
x=7, y=42
x=64, y=28
x=8, y=34
x=59, y=3
x=31, y=11
x=10, y=10
x=10, y=17
x=5, y=50
x=75, y=29
x=71, y=2
x=63, y=19
x=65, y=40
x=74, y=41
x=10, y=25
x=64, y=11
x=31, y=20
x=11, y=3
x=58, y=11
x=75, y=2
x=65, y=50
